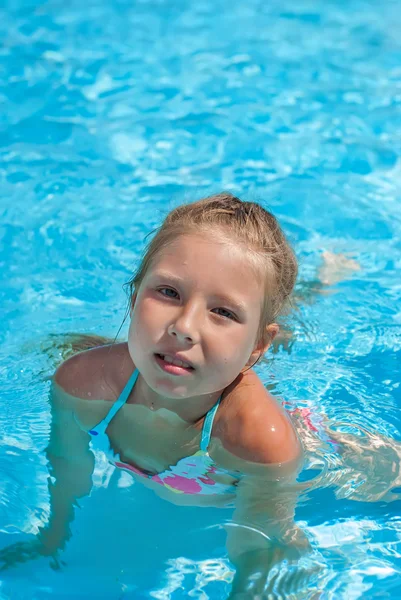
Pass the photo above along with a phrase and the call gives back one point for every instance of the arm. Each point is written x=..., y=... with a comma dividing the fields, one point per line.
x=263, y=533
x=70, y=469
x=258, y=440
x=71, y=465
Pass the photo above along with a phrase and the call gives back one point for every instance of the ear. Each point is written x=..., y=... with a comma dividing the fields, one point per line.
x=263, y=345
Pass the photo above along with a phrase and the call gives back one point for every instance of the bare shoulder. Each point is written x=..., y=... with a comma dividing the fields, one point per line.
x=96, y=373
x=254, y=427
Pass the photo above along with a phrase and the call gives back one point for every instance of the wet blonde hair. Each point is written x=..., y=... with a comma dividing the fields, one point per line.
x=247, y=223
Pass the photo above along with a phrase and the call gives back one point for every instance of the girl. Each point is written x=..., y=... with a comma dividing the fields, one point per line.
x=178, y=405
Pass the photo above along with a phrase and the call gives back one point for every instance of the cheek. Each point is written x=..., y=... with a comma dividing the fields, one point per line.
x=242, y=343
x=145, y=319
x=225, y=370
x=139, y=339
x=232, y=354
x=237, y=351
x=132, y=335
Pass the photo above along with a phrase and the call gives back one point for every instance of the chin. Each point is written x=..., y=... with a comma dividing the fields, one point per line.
x=170, y=389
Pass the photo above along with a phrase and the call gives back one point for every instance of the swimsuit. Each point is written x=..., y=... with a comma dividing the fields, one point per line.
x=191, y=475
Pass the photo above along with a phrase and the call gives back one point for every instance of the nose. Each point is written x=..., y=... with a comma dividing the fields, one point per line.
x=185, y=327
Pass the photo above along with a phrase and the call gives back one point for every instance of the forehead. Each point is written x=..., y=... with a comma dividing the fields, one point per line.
x=207, y=261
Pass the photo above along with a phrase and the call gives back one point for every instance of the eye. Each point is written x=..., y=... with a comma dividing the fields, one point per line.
x=225, y=313
x=168, y=292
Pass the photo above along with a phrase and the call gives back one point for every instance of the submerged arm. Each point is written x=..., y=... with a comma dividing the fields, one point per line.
x=71, y=466
x=260, y=442
x=263, y=532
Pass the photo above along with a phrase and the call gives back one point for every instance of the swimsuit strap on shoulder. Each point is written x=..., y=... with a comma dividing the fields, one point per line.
x=208, y=426
x=102, y=426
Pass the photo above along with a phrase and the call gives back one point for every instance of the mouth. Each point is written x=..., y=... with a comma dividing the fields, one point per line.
x=173, y=365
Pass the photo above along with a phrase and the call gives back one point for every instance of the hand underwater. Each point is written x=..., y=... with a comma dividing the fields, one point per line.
x=21, y=552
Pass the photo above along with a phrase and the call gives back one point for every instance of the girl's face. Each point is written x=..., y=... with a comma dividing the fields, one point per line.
x=195, y=317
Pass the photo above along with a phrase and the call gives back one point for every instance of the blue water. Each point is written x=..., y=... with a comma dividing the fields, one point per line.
x=114, y=112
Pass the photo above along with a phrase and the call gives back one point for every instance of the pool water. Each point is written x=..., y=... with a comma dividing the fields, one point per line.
x=114, y=112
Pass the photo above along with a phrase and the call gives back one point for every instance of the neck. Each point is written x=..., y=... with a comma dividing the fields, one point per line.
x=190, y=409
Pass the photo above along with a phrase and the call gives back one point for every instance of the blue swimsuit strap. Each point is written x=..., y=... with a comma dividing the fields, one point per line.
x=208, y=426
x=102, y=426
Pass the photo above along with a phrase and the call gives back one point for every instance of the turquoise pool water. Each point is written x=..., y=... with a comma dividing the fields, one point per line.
x=113, y=112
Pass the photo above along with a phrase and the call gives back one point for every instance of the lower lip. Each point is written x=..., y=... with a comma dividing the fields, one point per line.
x=172, y=369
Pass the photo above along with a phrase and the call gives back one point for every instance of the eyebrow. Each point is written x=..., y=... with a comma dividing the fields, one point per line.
x=168, y=276
x=236, y=305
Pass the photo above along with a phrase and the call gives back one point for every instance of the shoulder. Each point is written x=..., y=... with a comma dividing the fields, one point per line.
x=254, y=427
x=97, y=373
